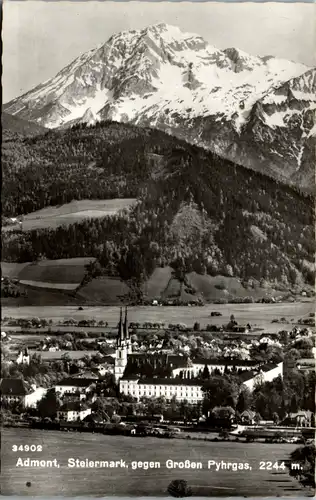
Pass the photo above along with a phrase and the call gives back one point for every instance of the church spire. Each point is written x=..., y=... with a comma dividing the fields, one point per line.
x=120, y=335
x=126, y=332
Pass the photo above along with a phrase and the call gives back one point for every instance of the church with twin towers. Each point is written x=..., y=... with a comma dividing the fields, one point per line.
x=185, y=380
x=123, y=346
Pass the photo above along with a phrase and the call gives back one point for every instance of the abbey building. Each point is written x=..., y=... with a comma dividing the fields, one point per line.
x=177, y=376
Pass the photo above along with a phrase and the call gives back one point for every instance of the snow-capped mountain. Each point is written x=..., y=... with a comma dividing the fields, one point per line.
x=258, y=111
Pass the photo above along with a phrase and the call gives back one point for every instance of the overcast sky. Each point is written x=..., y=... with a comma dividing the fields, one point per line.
x=40, y=38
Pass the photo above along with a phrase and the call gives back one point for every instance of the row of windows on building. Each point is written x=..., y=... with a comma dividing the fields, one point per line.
x=193, y=393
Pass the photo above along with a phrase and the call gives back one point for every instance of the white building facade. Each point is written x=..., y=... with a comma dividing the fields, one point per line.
x=80, y=386
x=181, y=389
x=23, y=357
x=72, y=412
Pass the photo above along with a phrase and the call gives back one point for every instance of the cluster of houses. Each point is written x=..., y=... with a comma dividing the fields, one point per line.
x=73, y=392
x=183, y=383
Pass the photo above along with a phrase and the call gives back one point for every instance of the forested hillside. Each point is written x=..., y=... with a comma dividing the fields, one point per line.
x=196, y=211
x=13, y=125
x=109, y=160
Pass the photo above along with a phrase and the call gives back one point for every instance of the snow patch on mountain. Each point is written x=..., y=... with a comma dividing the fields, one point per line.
x=257, y=111
x=157, y=67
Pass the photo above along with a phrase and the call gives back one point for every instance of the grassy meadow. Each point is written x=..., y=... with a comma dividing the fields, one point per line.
x=65, y=481
x=104, y=290
x=259, y=315
x=65, y=276
x=69, y=213
x=50, y=356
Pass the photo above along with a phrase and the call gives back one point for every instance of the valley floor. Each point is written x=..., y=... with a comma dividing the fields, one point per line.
x=258, y=315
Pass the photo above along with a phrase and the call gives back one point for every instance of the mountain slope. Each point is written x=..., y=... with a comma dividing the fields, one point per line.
x=14, y=125
x=161, y=77
x=196, y=211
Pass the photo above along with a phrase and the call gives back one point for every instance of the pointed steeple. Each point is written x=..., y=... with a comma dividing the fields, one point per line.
x=120, y=334
x=126, y=332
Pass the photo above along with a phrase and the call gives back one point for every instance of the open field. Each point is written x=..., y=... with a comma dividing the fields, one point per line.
x=104, y=290
x=157, y=282
x=71, y=272
x=75, y=211
x=161, y=284
x=64, y=275
x=65, y=481
x=259, y=315
x=220, y=287
x=49, y=356
x=48, y=285
x=107, y=290
x=67, y=271
x=13, y=269
x=42, y=297
x=59, y=275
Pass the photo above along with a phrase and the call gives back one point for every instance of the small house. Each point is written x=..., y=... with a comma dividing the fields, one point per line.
x=72, y=411
x=74, y=385
x=23, y=357
x=13, y=390
x=247, y=417
x=240, y=329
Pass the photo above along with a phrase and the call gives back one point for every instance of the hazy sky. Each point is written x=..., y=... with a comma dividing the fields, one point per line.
x=40, y=38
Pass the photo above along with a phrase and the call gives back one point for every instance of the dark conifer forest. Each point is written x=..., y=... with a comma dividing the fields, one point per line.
x=195, y=210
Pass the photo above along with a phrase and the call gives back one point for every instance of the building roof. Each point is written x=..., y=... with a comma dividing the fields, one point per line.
x=13, y=387
x=170, y=381
x=268, y=367
x=76, y=382
x=177, y=361
x=93, y=417
x=225, y=362
x=72, y=406
x=226, y=408
x=240, y=328
x=163, y=381
x=130, y=377
x=302, y=413
x=248, y=375
x=86, y=375
x=245, y=376
x=248, y=413
x=108, y=359
x=306, y=361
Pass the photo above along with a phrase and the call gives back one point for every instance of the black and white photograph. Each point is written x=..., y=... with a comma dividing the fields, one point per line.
x=158, y=249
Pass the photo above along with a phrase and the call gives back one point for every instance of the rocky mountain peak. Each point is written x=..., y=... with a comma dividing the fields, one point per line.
x=162, y=77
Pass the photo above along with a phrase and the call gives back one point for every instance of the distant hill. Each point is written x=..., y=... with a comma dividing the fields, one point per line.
x=14, y=125
x=196, y=212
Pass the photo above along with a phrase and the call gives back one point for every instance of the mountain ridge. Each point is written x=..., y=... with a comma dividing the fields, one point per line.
x=178, y=82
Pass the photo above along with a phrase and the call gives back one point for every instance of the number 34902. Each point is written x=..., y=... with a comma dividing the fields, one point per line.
x=27, y=447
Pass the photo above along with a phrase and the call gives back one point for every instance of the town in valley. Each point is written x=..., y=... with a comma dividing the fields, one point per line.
x=158, y=250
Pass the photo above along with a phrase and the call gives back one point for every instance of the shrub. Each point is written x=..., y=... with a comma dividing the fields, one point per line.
x=179, y=488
